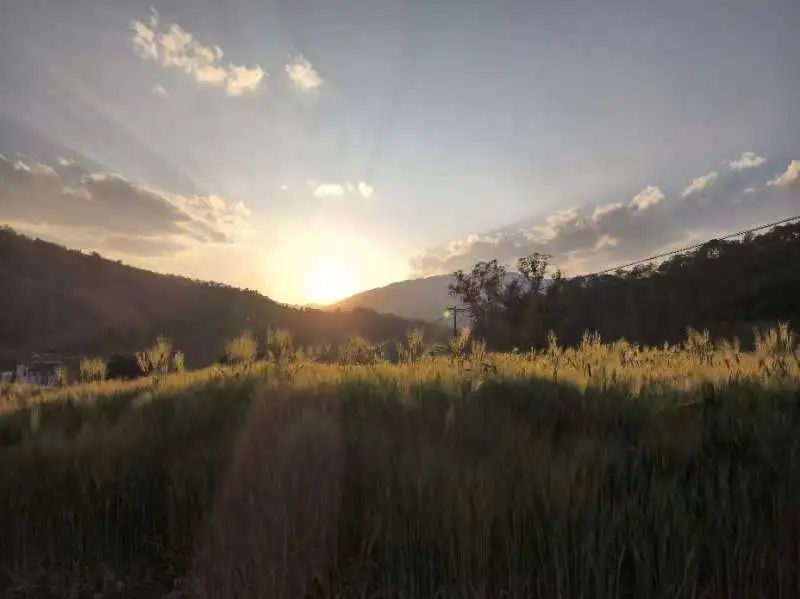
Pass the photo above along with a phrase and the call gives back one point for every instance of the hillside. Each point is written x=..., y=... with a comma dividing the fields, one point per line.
x=424, y=299
x=60, y=300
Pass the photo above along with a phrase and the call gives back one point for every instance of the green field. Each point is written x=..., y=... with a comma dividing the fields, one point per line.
x=607, y=470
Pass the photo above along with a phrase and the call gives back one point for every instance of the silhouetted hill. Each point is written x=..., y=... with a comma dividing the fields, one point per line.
x=423, y=299
x=65, y=301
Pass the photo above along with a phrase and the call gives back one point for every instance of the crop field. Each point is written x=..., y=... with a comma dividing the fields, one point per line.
x=605, y=470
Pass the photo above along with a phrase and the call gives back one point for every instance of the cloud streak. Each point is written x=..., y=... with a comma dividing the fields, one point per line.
x=174, y=47
x=699, y=184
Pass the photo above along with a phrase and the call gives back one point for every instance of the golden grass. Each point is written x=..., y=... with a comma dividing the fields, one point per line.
x=607, y=470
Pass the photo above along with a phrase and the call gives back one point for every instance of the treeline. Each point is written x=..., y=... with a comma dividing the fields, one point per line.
x=726, y=287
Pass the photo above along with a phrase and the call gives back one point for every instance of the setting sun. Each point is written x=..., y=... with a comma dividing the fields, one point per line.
x=329, y=281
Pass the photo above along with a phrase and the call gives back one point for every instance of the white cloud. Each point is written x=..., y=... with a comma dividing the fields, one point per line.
x=324, y=190
x=789, y=177
x=647, y=198
x=699, y=184
x=749, y=190
x=176, y=48
x=109, y=207
x=159, y=90
x=747, y=160
x=303, y=75
x=365, y=190
x=602, y=211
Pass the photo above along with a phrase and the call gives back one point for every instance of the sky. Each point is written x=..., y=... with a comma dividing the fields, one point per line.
x=311, y=149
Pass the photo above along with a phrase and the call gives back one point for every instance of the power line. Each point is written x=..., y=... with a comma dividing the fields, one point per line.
x=691, y=247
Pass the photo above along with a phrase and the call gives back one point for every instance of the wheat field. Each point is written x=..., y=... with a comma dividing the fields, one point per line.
x=604, y=470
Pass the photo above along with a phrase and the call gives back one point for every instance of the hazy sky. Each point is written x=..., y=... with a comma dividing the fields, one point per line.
x=310, y=149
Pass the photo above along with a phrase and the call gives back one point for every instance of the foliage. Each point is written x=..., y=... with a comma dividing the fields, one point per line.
x=724, y=288
x=357, y=350
x=92, y=369
x=414, y=347
x=156, y=359
x=242, y=349
x=460, y=344
x=280, y=346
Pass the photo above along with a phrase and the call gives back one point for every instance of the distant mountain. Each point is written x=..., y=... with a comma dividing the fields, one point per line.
x=58, y=300
x=423, y=299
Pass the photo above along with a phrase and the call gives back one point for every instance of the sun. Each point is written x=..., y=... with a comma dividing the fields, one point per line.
x=330, y=280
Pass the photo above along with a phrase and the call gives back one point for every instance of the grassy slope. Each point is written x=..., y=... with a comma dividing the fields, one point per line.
x=607, y=471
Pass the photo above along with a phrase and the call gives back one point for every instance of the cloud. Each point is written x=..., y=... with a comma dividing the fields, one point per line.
x=601, y=212
x=159, y=90
x=699, y=184
x=747, y=160
x=647, y=198
x=789, y=177
x=174, y=47
x=109, y=207
x=326, y=190
x=365, y=190
x=303, y=75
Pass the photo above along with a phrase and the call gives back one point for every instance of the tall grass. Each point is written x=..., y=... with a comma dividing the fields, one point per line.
x=606, y=470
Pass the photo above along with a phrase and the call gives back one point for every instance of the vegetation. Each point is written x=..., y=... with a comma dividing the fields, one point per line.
x=157, y=359
x=725, y=287
x=241, y=350
x=596, y=470
x=92, y=369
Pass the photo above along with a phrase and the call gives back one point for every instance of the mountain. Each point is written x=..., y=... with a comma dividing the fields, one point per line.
x=423, y=299
x=58, y=300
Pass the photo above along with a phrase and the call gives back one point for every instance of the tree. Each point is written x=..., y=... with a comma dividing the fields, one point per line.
x=506, y=310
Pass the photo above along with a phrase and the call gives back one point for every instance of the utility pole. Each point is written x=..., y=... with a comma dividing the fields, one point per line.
x=454, y=310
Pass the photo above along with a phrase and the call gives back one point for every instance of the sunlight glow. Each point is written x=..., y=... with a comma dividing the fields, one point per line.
x=330, y=280
x=321, y=262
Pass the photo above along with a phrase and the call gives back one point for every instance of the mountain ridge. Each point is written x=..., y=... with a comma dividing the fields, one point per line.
x=61, y=300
